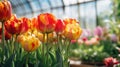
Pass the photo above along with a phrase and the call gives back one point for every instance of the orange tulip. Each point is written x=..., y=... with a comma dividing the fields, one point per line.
x=29, y=43
x=46, y=22
x=5, y=10
x=72, y=31
x=14, y=25
x=34, y=23
x=60, y=26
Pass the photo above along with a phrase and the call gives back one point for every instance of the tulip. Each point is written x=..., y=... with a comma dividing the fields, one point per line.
x=84, y=39
x=98, y=31
x=72, y=31
x=14, y=25
x=60, y=26
x=40, y=36
x=69, y=20
x=5, y=10
x=46, y=22
x=29, y=43
x=92, y=41
x=110, y=61
x=7, y=35
x=34, y=23
x=86, y=33
x=25, y=24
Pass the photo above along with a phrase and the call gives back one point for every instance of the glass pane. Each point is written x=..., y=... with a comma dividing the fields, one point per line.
x=88, y=15
x=18, y=10
x=105, y=10
x=72, y=1
x=58, y=12
x=35, y=5
x=56, y=3
x=71, y=11
x=68, y=2
x=28, y=15
x=46, y=11
x=15, y=2
x=19, y=2
x=19, y=15
x=44, y=4
x=81, y=1
x=82, y=15
x=88, y=0
x=27, y=8
x=104, y=6
x=36, y=14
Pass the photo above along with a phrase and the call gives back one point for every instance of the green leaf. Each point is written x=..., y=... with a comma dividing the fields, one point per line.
x=52, y=58
x=9, y=62
x=59, y=58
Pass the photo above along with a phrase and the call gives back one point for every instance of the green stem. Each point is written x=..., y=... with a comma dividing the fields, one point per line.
x=43, y=48
x=47, y=60
x=58, y=45
x=15, y=44
x=67, y=52
x=12, y=44
x=66, y=55
x=3, y=36
x=27, y=60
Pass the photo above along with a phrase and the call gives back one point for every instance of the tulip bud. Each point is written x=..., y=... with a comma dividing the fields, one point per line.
x=60, y=26
x=5, y=10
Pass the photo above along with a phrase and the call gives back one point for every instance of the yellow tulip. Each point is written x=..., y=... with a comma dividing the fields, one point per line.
x=72, y=31
x=29, y=43
x=40, y=36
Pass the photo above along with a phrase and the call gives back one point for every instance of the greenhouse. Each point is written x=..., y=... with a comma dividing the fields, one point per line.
x=59, y=33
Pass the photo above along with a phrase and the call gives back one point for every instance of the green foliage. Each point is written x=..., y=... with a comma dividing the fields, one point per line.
x=94, y=53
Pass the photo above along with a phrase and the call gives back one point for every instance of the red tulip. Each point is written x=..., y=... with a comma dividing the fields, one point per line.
x=60, y=26
x=5, y=10
x=25, y=24
x=110, y=61
x=14, y=25
x=84, y=39
x=46, y=22
x=7, y=35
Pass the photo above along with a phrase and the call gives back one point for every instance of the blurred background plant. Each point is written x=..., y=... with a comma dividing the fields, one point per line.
x=95, y=47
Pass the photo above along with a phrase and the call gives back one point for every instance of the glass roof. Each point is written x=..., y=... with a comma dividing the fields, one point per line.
x=83, y=10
